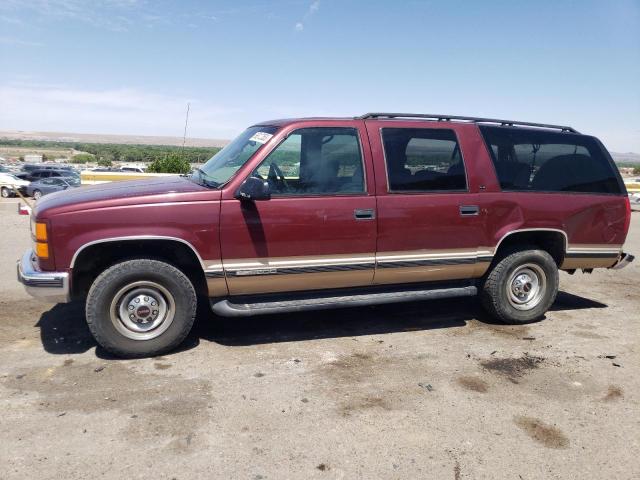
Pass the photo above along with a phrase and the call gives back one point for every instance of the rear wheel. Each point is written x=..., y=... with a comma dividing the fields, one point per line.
x=141, y=308
x=522, y=286
x=6, y=193
x=37, y=194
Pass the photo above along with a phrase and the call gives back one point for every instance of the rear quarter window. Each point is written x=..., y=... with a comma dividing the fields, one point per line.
x=543, y=161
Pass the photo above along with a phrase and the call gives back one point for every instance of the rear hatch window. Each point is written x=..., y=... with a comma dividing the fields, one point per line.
x=543, y=161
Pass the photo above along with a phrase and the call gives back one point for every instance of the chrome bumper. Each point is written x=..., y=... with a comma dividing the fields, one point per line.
x=49, y=286
x=624, y=260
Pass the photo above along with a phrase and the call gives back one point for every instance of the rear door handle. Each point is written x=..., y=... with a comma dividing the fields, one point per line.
x=364, y=214
x=469, y=210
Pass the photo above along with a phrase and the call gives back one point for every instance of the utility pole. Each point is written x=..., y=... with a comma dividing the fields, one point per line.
x=186, y=122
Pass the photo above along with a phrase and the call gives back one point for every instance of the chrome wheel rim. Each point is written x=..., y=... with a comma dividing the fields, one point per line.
x=5, y=193
x=142, y=310
x=37, y=194
x=526, y=286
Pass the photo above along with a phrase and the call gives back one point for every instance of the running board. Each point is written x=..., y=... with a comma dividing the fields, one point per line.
x=226, y=308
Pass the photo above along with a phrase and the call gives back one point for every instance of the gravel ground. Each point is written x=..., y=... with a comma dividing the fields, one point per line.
x=421, y=390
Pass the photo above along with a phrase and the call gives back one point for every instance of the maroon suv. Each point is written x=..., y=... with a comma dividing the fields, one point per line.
x=322, y=212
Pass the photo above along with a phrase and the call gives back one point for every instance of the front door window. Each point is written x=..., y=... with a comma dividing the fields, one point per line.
x=315, y=161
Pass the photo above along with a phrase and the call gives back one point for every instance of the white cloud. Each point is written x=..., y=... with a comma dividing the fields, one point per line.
x=19, y=42
x=313, y=8
x=11, y=20
x=125, y=111
x=114, y=15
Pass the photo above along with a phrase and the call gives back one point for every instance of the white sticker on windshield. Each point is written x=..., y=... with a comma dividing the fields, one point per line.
x=261, y=137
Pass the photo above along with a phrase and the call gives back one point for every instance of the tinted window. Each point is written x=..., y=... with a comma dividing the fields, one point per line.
x=313, y=161
x=537, y=160
x=423, y=160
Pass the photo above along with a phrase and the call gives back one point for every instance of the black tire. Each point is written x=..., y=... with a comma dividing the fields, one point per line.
x=129, y=281
x=6, y=193
x=37, y=194
x=509, y=275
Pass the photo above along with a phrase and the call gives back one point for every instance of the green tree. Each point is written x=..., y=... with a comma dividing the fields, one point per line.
x=636, y=171
x=171, y=163
x=83, y=158
x=104, y=162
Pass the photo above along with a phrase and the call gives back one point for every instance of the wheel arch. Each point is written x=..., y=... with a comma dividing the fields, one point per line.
x=94, y=257
x=553, y=240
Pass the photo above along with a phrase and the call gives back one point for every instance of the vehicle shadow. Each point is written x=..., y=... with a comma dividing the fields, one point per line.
x=63, y=329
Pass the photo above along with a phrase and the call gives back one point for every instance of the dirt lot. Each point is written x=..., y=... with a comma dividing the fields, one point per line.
x=422, y=390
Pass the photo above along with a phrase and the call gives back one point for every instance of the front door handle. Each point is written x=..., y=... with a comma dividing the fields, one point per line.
x=364, y=214
x=469, y=210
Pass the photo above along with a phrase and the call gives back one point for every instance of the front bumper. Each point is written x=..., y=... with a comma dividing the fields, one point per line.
x=624, y=260
x=49, y=286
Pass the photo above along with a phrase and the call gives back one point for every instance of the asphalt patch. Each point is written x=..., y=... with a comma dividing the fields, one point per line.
x=513, y=367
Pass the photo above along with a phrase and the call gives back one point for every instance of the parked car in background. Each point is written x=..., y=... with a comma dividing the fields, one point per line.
x=50, y=172
x=9, y=184
x=132, y=169
x=49, y=185
x=27, y=170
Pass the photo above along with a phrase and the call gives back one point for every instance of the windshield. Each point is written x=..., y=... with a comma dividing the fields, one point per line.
x=224, y=164
x=72, y=180
x=10, y=176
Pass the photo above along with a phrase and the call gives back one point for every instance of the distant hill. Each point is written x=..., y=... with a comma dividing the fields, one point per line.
x=108, y=138
x=628, y=157
x=624, y=158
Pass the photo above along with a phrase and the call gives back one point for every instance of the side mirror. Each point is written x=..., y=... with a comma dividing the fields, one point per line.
x=254, y=189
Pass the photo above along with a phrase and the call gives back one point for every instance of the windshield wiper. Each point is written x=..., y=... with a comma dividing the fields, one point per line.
x=208, y=183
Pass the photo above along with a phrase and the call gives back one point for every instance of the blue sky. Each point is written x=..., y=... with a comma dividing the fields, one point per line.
x=130, y=66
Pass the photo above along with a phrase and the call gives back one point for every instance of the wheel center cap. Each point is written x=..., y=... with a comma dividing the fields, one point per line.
x=143, y=311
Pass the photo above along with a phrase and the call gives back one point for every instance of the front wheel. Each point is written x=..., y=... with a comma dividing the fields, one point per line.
x=141, y=308
x=37, y=194
x=521, y=287
x=6, y=193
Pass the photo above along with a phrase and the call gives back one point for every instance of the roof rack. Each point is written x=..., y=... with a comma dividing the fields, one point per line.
x=446, y=118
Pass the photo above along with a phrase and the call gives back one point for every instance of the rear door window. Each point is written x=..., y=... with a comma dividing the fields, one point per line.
x=423, y=160
x=543, y=161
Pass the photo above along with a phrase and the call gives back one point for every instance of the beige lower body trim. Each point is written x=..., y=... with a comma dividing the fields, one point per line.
x=282, y=274
x=298, y=282
x=590, y=256
x=388, y=276
x=217, y=286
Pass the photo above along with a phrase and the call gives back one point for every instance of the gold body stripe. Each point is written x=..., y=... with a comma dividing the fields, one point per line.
x=280, y=274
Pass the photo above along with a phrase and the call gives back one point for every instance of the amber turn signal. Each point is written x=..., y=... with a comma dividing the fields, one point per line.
x=41, y=232
x=42, y=250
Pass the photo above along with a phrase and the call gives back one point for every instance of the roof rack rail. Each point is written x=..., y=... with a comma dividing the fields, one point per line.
x=441, y=118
